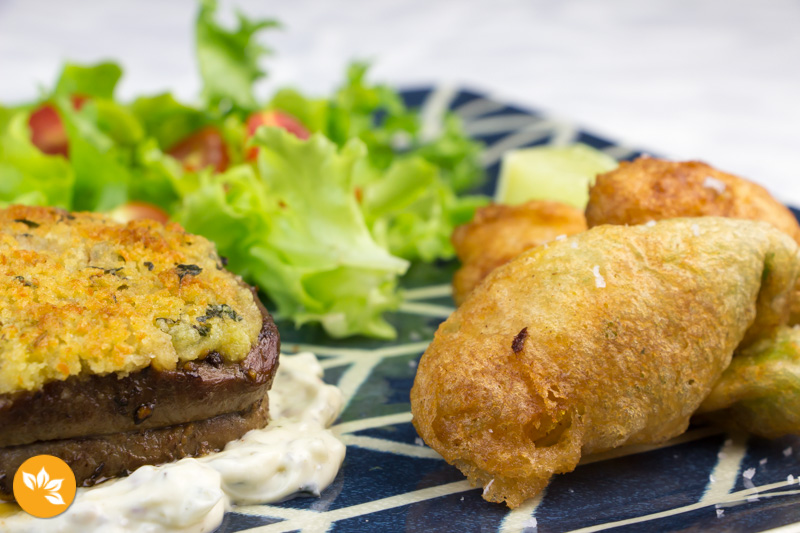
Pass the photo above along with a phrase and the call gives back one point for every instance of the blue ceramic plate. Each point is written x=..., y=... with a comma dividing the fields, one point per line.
x=390, y=481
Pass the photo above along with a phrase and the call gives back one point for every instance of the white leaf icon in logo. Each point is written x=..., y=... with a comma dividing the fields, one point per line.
x=54, y=485
x=43, y=481
x=42, y=478
x=55, y=498
x=29, y=480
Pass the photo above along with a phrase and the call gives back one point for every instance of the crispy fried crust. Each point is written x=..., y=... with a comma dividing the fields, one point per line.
x=613, y=336
x=760, y=391
x=654, y=189
x=498, y=233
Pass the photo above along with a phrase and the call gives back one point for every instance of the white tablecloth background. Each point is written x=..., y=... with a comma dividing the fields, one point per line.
x=711, y=79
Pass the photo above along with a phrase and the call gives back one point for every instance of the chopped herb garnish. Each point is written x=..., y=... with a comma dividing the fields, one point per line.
x=222, y=311
x=122, y=287
x=150, y=266
x=214, y=359
x=219, y=311
x=23, y=281
x=114, y=271
x=29, y=223
x=187, y=270
x=202, y=330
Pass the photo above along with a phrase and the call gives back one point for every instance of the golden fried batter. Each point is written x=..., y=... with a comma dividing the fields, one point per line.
x=498, y=233
x=654, y=189
x=613, y=336
x=81, y=293
x=760, y=391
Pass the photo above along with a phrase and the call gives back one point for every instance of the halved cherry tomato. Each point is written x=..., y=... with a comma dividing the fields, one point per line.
x=278, y=119
x=138, y=211
x=47, y=130
x=203, y=148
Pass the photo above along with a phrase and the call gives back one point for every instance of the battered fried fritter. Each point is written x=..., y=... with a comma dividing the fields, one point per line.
x=654, y=189
x=760, y=391
x=613, y=336
x=498, y=233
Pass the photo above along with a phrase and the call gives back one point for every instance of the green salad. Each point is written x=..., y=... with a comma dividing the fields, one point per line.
x=321, y=202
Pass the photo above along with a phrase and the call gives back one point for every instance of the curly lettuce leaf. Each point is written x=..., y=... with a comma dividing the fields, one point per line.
x=456, y=155
x=313, y=113
x=230, y=209
x=27, y=175
x=109, y=173
x=88, y=80
x=167, y=120
x=101, y=174
x=345, y=280
x=155, y=176
x=296, y=230
x=229, y=60
x=377, y=115
x=118, y=122
x=6, y=113
x=412, y=212
x=409, y=196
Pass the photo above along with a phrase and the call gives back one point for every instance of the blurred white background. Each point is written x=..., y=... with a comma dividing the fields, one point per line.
x=710, y=79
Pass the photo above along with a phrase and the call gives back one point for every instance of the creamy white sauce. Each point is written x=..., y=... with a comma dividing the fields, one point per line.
x=294, y=453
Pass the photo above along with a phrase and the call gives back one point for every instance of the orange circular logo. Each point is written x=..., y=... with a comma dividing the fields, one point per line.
x=44, y=486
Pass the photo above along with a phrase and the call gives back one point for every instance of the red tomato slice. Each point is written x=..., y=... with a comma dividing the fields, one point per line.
x=278, y=119
x=202, y=149
x=138, y=211
x=47, y=130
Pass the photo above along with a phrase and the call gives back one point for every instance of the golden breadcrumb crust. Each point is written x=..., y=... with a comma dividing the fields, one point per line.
x=82, y=294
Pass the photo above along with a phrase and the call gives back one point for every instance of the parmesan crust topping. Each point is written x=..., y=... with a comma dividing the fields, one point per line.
x=82, y=294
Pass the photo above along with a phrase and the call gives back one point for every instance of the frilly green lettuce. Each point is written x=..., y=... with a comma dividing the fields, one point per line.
x=229, y=60
x=325, y=227
x=295, y=228
x=28, y=176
